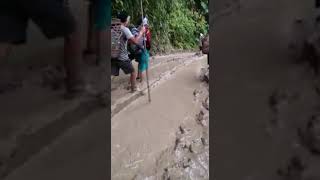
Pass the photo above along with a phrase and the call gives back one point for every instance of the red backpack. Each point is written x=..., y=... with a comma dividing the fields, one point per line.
x=148, y=37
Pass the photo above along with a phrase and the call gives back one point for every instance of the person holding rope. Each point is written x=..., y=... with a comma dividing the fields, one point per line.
x=142, y=54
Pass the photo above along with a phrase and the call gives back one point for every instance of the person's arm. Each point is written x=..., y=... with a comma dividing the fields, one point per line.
x=133, y=39
x=136, y=39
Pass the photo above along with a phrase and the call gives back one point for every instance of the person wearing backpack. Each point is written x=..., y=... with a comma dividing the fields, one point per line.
x=143, y=54
x=122, y=61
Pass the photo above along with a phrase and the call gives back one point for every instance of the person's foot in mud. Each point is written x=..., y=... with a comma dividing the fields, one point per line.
x=134, y=89
x=137, y=89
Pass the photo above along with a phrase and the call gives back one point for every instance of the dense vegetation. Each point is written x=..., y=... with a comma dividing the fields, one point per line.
x=175, y=24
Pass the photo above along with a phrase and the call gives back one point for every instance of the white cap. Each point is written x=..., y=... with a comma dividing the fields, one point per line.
x=145, y=21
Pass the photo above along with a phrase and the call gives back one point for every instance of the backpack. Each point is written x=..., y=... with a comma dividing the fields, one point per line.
x=148, y=39
x=133, y=48
x=116, y=34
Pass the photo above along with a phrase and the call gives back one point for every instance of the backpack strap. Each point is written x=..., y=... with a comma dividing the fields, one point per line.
x=116, y=37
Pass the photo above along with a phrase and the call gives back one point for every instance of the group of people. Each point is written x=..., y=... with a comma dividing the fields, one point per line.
x=55, y=20
x=135, y=43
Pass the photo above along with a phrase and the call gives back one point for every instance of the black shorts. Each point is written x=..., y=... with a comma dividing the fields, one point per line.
x=53, y=17
x=125, y=66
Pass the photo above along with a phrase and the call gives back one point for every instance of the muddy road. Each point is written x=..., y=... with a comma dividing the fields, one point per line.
x=144, y=135
x=79, y=151
x=252, y=67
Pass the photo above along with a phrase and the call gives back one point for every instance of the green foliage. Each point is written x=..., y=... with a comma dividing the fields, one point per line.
x=174, y=23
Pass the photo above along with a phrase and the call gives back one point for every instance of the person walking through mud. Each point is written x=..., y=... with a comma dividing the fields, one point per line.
x=141, y=53
x=55, y=20
x=123, y=61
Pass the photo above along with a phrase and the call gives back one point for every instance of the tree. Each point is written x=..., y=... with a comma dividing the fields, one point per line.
x=174, y=23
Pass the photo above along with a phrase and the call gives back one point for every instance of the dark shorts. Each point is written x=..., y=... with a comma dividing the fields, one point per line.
x=53, y=17
x=125, y=66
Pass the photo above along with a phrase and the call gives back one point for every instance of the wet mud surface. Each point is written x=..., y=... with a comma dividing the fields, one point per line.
x=26, y=89
x=161, y=69
x=296, y=121
x=187, y=156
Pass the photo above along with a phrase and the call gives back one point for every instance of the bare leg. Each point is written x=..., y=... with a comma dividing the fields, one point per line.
x=140, y=76
x=73, y=62
x=133, y=81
